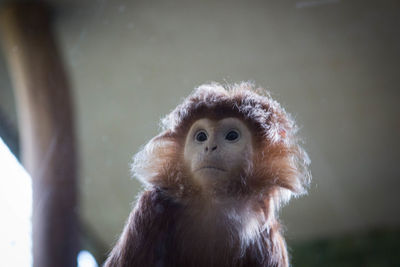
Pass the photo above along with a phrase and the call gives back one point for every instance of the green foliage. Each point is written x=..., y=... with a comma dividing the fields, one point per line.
x=372, y=249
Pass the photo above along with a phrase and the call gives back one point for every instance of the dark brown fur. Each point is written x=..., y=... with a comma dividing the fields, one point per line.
x=174, y=223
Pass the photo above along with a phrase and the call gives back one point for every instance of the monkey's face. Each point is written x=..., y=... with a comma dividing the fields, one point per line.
x=217, y=151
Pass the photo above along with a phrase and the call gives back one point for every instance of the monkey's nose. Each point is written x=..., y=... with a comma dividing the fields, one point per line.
x=212, y=149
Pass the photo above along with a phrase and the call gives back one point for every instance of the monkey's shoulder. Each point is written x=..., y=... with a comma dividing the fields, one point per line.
x=155, y=211
x=156, y=201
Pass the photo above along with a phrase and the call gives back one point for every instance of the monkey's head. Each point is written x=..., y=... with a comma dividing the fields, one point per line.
x=229, y=141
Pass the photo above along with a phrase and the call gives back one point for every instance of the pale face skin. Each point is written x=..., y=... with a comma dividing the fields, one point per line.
x=217, y=151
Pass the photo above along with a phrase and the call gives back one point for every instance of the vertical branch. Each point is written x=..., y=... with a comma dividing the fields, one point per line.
x=46, y=130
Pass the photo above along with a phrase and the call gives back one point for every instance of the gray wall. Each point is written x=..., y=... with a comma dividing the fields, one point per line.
x=333, y=64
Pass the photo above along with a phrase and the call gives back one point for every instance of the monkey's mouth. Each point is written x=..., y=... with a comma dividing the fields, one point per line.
x=211, y=168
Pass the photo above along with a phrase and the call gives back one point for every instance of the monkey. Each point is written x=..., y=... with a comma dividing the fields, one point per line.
x=227, y=158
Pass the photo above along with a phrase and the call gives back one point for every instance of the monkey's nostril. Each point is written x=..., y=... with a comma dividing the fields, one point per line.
x=206, y=148
x=212, y=149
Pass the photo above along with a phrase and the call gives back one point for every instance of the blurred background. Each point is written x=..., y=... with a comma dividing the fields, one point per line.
x=333, y=64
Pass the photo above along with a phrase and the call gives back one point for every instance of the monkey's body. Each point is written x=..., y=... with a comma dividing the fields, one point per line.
x=165, y=233
x=215, y=179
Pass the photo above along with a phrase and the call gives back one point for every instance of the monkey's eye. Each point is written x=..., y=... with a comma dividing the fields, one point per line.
x=233, y=135
x=201, y=136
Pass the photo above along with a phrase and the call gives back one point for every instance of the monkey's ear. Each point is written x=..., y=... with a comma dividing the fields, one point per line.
x=152, y=162
x=292, y=170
